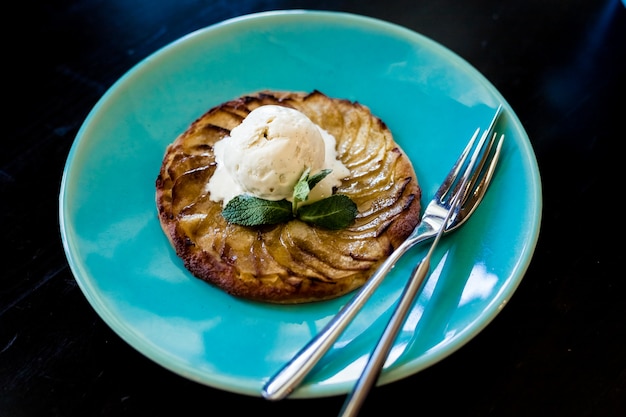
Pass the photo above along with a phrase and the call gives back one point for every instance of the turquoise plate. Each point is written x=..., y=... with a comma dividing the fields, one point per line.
x=432, y=101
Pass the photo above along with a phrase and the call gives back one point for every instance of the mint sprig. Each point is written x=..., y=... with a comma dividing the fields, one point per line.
x=304, y=186
x=248, y=210
x=335, y=212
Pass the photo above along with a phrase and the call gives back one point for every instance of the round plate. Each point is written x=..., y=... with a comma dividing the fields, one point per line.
x=432, y=102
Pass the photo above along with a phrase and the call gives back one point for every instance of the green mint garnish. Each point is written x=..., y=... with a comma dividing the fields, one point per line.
x=334, y=212
x=313, y=180
x=301, y=191
x=304, y=186
x=248, y=210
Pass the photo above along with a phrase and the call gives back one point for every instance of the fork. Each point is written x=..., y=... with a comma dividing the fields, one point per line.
x=376, y=361
x=433, y=220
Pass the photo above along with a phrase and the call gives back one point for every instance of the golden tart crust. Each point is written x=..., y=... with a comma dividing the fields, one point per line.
x=292, y=262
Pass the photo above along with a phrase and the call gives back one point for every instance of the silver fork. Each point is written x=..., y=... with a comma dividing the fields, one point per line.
x=470, y=192
x=451, y=208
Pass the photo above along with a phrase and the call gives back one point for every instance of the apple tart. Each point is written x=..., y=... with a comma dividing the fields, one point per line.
x=290, y=262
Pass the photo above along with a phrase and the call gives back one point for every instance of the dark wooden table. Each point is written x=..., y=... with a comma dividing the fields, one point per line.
x=557, y=349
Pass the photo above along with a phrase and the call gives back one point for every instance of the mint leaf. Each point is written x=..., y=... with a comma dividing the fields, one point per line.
x=304, y=186
x=335, y=212
x=248, y=210
x=301, y=190
x=314, y=179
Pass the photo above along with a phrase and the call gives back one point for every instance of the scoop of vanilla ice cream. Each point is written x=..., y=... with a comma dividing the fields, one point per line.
x=268, y=152
x=270, y=149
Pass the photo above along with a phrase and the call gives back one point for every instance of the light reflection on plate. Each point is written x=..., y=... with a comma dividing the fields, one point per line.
x=431, y=100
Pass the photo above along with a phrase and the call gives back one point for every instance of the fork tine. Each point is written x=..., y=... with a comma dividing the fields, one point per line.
x=494, y=161
x=452, y=176
x=470, y=175
x=474, y=180
x=485, y=156
x=475, y=166
x=485, y=175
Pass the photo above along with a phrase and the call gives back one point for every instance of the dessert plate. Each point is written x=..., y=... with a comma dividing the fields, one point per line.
x=431, y=99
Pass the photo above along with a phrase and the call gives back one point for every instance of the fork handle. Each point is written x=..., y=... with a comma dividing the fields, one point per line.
x=376, y=361
x=287, y=379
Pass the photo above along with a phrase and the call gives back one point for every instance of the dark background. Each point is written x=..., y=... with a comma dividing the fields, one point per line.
x=557, y=349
